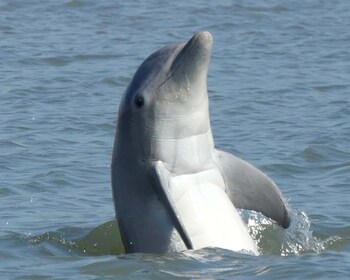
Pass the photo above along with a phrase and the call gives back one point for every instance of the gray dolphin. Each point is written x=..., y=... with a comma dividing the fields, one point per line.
x=172, y=189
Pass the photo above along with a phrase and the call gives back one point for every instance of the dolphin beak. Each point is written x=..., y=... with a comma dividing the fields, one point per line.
x=193, y=60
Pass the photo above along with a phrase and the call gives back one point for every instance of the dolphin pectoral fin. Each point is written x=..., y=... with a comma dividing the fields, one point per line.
x=249, y=188
x=161, y=177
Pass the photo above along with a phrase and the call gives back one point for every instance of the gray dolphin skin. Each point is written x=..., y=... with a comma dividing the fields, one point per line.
x=172, y=189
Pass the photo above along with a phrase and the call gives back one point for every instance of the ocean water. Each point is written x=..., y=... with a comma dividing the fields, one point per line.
x=279, y=92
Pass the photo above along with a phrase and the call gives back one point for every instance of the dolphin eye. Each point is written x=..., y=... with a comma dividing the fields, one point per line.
x=139, y=101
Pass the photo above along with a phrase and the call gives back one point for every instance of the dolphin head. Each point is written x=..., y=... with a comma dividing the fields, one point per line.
x=172, y=80
x=167, y=97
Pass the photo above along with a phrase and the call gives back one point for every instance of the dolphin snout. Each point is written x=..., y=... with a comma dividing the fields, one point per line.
x=192, y=62
x=201, y=43
x=203, y=38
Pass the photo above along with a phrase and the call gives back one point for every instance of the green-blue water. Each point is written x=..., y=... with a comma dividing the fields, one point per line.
x=279, y=94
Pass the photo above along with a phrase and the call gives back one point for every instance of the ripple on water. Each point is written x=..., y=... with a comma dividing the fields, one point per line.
x=58, y=60
x=102, y=240
x=311, y=154
x=6, y=192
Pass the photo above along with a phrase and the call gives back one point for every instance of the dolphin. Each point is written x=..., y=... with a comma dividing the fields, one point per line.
x=172, y=189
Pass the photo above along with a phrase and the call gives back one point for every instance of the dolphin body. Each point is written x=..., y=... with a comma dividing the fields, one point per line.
x=172, y=189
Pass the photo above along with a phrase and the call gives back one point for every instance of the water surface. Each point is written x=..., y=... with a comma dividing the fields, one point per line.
x=279, y=97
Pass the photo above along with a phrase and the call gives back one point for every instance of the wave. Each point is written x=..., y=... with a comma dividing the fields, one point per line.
x=105, y=239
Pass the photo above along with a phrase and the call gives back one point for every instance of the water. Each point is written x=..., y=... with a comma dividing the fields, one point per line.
x=279, y=95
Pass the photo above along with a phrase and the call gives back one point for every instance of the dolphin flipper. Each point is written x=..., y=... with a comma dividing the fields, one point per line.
x=161, y=177
x=249, y=188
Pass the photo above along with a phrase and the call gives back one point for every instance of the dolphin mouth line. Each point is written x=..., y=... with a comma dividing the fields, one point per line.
x=177, y=138
x=178, y=63
x=195, y=112
x=167, y=118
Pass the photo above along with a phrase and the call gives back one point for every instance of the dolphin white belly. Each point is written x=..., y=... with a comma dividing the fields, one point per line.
x=207, y=213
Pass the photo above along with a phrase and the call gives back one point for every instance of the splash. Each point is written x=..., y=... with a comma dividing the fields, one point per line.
x=300, y=238
x=297, y=239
